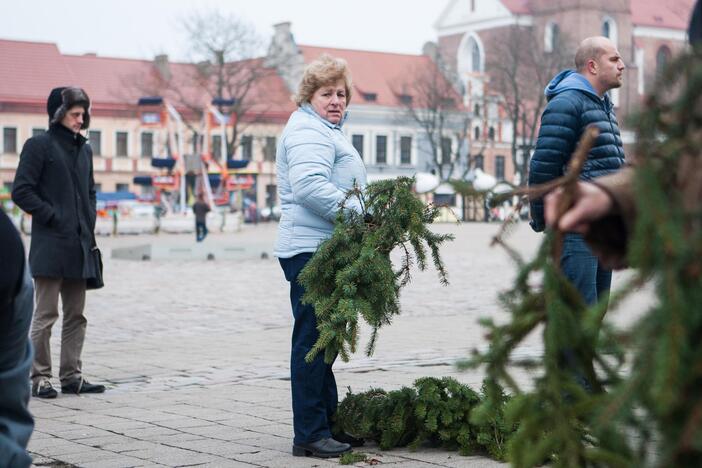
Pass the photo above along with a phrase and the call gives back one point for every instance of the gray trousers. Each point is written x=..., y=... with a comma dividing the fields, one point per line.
x=72, y=294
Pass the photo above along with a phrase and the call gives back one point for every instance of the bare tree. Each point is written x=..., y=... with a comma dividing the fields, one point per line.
x=519, y=70
x=224, y=50
x=429, y=99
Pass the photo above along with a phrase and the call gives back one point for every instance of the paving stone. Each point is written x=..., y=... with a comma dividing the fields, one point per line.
x=196, y=355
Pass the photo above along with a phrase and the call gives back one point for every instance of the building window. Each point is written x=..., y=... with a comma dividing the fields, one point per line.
x=476, y=133
x=8, y=186
x=381, y=149
x=500, y=167
x=122, y=141
x=9, y=140
x=551, y=37
x=491, y=133
x=271, y=195
x=122, y=188
x=475, y=56
x=479, y=162
x=357, y=142
x=662, y=59
x=246, y=147
x=95, y=140
x=216, y=147
x=269, y=149
x=405, y=150
x=470, y=54
x=476, y=110
x=147, y=145
x=472, y=5
x=38, y=131
x=609, y=29
x=370, y=97
x=98, y=187
x=445, y=150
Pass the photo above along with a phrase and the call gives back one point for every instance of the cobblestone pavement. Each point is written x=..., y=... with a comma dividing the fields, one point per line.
x=195, y=355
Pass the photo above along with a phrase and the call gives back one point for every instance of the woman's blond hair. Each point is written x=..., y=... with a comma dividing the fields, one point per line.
x=324, y=71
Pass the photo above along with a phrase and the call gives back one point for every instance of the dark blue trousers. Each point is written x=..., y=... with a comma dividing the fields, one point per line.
x=587, y=274
x=584, y=271
x=314, y=395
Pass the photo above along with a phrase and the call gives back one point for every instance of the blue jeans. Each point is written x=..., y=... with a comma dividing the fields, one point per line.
x=200, y=230
x=314, y=394
x=581, y=267
x=592, y=280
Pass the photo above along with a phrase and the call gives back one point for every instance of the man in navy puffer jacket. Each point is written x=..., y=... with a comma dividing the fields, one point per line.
x=577, y=99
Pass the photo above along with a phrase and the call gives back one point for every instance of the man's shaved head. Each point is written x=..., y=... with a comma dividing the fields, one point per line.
x=590, y=48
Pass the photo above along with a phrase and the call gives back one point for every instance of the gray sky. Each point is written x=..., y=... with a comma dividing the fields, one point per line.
x=144, y=28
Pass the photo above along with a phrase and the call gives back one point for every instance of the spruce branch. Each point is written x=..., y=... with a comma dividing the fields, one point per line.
x=352, y=275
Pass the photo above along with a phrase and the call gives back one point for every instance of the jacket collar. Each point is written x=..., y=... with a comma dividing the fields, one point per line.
x=65, y=136
x=307, y=108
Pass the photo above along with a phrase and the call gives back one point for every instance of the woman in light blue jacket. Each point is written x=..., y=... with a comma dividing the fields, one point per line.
x=316, y=166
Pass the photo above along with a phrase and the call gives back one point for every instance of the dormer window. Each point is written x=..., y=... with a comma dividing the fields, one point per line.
x=405, y=99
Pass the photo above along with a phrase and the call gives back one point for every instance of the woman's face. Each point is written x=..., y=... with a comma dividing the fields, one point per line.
x=330, y=101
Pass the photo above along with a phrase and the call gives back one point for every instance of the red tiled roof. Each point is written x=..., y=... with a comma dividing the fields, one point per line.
x=673, y=14
x=517, y=7
x=381, y=73
x=30, y=70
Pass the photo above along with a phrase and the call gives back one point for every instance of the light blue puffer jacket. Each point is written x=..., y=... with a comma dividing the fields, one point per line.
x=316, y=165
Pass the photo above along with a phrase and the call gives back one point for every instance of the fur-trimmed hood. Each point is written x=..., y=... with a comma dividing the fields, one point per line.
x=62, y=99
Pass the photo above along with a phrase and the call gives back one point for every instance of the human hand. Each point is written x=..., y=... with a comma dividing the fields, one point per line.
x=591, y=204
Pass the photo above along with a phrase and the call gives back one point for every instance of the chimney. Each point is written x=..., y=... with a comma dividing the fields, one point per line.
x=285, y=56
x=431, y=50
x=161, y=64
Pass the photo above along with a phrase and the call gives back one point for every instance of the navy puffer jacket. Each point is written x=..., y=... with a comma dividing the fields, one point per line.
x=572, y=106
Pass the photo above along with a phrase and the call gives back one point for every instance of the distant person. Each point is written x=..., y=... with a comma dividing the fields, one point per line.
x=16, y=290
x=316, y=166
x=576, y=99
x=54, y=183
x=200, y=208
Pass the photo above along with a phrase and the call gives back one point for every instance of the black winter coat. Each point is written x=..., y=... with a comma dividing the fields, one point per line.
x=54, y=183
x=563, y=121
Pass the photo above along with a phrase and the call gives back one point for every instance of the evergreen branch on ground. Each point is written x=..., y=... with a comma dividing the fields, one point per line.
x=351, y=276
x=435, y=411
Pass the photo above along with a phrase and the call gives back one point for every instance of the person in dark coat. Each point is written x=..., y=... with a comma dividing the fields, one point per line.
x=200, y=208
x=16, y=424
x=577, y=99
x=54, y=183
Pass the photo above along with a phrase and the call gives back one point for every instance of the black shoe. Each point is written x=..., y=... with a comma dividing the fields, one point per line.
x=323, y=448
x=82, y=386
x=44, y=389
x=348, y=439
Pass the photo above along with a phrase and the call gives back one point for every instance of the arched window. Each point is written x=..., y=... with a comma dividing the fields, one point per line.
x=551, y=37
x=662, y=58
x=470, y=54
x=476, y=66
x=609, y=29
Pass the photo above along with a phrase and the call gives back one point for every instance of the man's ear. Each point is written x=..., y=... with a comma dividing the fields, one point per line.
x=592, y=66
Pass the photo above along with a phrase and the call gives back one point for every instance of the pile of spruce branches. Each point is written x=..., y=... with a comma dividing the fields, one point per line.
x=435, y=411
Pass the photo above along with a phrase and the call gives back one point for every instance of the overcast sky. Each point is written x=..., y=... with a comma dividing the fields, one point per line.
x=144, y=28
